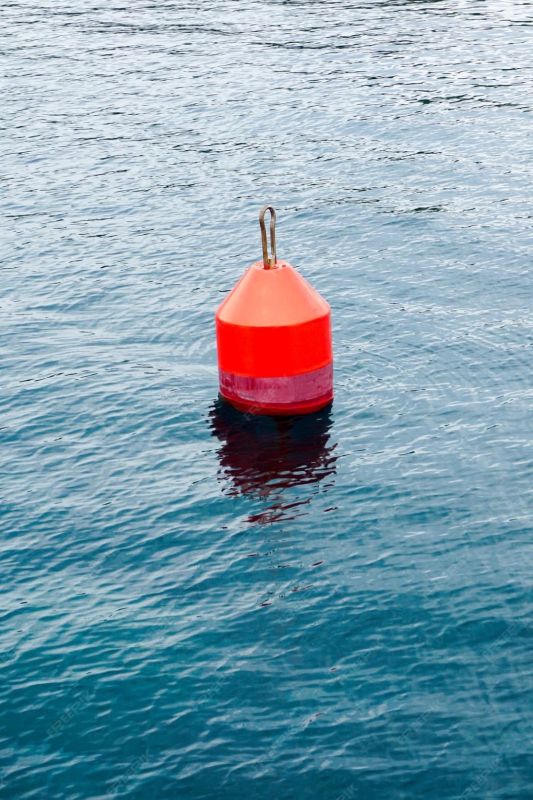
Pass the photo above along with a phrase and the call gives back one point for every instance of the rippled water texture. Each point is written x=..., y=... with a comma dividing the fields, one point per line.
x=205, y=606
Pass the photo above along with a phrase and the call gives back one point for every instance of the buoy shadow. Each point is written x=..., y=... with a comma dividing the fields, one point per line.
x=264, y=456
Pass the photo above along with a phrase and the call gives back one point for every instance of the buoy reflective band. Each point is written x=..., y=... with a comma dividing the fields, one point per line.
x=303, y=388
x=274, y=338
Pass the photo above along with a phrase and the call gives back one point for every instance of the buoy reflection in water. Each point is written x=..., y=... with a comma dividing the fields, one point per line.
x=265, y=457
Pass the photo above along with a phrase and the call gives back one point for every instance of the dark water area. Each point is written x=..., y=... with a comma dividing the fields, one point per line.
x=198, y=604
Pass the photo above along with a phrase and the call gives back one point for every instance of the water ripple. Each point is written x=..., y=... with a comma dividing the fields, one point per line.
x=204, y=605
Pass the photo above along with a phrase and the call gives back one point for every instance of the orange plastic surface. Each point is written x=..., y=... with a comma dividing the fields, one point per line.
x=274, y=352
x=271, y=298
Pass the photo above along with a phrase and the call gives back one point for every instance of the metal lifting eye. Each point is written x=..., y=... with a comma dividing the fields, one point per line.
x=269, y=262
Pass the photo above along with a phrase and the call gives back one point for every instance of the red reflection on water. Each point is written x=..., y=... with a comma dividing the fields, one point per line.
x=264, y=457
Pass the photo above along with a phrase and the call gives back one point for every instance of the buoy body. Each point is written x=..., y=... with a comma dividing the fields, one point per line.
x=274, y=343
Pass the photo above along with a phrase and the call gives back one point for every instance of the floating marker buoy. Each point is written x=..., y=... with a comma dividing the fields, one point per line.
x=274, y=338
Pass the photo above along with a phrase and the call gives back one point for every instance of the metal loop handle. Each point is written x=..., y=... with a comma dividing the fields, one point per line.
x=268, y=261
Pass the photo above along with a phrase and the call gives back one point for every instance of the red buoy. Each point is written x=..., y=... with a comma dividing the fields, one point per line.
x=274, y=339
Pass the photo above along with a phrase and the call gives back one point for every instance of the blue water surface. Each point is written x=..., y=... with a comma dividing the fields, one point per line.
x=202, y=605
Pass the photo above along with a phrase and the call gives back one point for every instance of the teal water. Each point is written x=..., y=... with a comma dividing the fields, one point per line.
x=205, y=606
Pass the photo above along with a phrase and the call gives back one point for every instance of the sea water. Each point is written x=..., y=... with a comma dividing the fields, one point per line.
x=204, y=605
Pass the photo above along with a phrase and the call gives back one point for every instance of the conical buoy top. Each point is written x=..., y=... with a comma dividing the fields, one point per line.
x=275, y=297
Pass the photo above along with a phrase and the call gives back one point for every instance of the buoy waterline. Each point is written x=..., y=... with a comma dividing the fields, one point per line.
x=274, y=340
